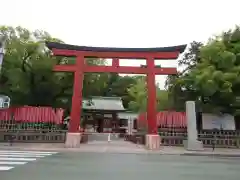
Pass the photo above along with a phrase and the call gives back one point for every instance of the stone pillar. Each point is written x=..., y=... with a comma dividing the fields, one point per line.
x=192, y=143
x=153, y=141
x=73, y=140
x=129, y=129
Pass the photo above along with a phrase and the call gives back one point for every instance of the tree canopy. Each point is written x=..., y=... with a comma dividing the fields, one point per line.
x=27, y=75
x=210, y=76
x=138, y=92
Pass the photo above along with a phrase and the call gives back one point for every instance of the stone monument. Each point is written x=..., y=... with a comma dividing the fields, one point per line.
x=192, y=143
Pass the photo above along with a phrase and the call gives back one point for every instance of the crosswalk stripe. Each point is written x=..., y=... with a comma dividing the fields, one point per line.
x=13, y=162
x=10, y=159
x=5, y=168
x=17, y=159
x=40, y=152
x=21, y=155
x=25, y=153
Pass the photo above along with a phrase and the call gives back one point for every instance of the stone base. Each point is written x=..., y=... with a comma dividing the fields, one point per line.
x=153, y=141
x=73, y=140
x=191, y=145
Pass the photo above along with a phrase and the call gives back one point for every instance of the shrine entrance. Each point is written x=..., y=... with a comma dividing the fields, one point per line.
x=100, y=114
x=80, y=67
x=99, y=125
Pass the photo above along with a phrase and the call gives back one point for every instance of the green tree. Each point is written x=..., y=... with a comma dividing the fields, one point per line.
x=179, y=88
x=213, y=79
x=27, y=75
x=118, y=86
x=138, y=92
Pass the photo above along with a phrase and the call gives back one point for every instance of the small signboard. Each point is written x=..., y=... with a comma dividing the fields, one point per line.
x=4, y=102
x=213, y=121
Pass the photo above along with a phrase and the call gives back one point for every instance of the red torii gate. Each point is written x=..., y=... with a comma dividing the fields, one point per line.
x=82, y=52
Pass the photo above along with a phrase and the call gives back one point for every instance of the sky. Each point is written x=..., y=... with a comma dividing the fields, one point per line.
x=124, y=23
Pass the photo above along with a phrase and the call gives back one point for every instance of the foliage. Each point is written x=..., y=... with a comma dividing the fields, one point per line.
x=28, y=79
x=211, y=76
x=118, y=86
x=138, y=92
x=27, y=75
x=179, y=87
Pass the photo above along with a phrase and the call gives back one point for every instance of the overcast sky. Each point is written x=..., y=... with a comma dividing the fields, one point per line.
x=124, y=23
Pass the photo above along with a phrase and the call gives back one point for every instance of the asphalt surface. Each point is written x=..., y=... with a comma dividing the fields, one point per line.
x=119, y=166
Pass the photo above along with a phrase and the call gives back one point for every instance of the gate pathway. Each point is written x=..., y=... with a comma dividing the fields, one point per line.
x=103, y=137
x=114, y=146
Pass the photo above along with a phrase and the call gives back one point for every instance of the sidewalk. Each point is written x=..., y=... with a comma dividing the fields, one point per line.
x=119, y=147
x=223, y=152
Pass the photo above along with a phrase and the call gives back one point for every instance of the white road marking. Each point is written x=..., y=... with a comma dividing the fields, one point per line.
x=21, y=155
x=12, y=162
x=5, y=168
x=38, y=152
x=17, y=159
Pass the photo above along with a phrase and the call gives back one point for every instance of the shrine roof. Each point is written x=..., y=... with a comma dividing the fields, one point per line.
x=103, y=103
x=52, y=45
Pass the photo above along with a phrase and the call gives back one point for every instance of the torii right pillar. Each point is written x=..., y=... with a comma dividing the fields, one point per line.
x=153, y=140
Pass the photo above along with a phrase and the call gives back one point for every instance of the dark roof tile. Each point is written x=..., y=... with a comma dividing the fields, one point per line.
x=52, y=45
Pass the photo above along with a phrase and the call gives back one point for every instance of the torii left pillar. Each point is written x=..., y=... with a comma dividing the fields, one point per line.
x=73, y=137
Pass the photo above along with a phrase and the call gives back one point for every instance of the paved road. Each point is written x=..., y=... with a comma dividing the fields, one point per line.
x=118, y=166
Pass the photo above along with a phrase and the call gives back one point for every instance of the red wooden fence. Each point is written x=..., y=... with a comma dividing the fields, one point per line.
x=169, y=119
x=32, y=114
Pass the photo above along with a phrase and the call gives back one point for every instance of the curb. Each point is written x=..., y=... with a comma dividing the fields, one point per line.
x=211, y=154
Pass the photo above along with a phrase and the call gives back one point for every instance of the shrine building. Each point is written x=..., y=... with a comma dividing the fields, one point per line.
x=107, y=114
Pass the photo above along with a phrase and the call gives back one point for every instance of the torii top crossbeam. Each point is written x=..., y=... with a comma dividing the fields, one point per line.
x=113, y=52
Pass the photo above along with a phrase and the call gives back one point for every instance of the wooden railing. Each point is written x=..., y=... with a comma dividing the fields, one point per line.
x=32, y=136
x=223, y=139
x=226, y=139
